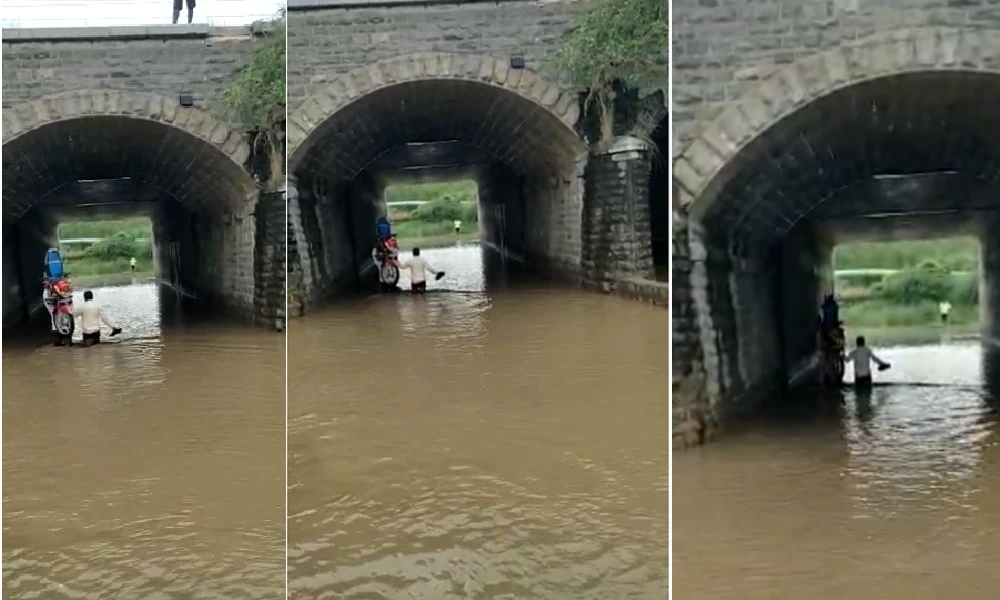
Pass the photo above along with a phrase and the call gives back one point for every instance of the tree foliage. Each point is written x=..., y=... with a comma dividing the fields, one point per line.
x=614, y=40
x=447, y=208
x=257, y=96
x=929, y=281
x=119, y=246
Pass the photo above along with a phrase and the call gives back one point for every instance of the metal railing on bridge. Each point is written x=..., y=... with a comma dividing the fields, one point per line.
x=26, y=14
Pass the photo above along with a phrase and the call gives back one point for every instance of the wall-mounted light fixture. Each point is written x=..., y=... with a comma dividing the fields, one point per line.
x=186, y=99
x=516, y=61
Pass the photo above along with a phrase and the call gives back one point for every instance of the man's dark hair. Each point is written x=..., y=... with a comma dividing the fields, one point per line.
x=416, y=252
x=88, y=295
x=860, y=341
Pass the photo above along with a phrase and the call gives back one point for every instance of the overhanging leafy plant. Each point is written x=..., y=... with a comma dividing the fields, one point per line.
x=614, y=40
x=256, y=98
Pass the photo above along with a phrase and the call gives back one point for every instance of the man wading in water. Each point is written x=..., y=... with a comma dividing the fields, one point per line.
x=863, y=357
x=419, y=267
x=177, y=10
x=91, y=318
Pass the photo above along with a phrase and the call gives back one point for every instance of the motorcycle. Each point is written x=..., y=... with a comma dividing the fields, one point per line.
x=832, y=366
x=387, y=257
x=57, y=295
x=58, y=298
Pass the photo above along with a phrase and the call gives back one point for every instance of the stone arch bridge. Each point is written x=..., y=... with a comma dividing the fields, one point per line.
x=94, y=127
x=400, y=90
x=797, y=125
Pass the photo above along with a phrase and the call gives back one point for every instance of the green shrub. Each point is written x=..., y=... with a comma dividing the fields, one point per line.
x=446, y=208
x=859, y=279
x=119, y=246
x=912, y=286
x=880, y=313
x=964, y=289
x=957, y=254
x=470, y=212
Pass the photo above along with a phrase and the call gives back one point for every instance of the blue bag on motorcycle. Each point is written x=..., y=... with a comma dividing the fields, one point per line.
x=53, y=263
x=382, y=228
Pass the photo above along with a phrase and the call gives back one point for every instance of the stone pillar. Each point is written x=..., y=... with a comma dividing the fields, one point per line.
x=299, y=267
x=989, y=287
x=616, y=233
x=269, y=259
x=690, y=401
x=14, y=309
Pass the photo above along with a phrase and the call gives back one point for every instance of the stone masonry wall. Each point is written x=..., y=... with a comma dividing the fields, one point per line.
x=553, y=220
x=721, y=49
x=169, y=61
x=990, y=282
x=269, y=259
x=502, y=217
x=227, y=255
x=331, y=234
x=24, y=245
x=300, y=267
x=325, y=40
x=194, y=59
x=616, y=230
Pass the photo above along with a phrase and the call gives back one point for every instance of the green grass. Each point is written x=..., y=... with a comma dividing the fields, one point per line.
x=464, y=191
x=437, y=241
x=91, y=266
x=905, y=304
x=137, y=227
x=880, y=313
x=957, y=254
x=416, y=229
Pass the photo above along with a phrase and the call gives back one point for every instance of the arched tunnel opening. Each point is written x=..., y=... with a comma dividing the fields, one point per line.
x=910, y=155
x=526, y=163
x=441, y=218
x=908, y=286
x=198, y=200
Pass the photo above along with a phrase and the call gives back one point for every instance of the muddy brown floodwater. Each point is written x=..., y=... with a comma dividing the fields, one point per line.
x=151, y=467
x=511, y=443
x=895, y=495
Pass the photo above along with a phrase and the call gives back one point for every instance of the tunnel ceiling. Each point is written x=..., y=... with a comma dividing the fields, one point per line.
x=838, y=156
x=54, y=157
x=484, y=119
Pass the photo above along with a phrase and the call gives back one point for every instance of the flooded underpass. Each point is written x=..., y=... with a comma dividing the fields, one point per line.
x=502, y=438
x=892, y=494
x=150, y=466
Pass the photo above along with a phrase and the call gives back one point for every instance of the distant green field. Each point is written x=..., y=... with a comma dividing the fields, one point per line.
x=120, y=241
x=137, y=227
x=886, y=285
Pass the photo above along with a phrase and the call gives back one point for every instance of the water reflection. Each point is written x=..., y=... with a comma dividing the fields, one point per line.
x=507, y=443
x=893, y=493
x=150, y=466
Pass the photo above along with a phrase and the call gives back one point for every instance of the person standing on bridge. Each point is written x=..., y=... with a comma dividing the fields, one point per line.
x=419, y=267
x=131, y=263
x=458, y=227
x=177, y=9
x=863, y=357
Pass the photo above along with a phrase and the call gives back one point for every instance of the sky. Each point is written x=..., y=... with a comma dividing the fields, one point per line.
x=106, y=13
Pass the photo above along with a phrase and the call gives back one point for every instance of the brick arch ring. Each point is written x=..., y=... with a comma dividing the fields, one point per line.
x=698, y=171
x=22, y=119
x=305, y=121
